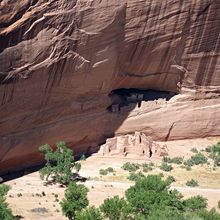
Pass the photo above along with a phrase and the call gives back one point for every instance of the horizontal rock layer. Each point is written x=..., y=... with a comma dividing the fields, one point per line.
x=60, y=60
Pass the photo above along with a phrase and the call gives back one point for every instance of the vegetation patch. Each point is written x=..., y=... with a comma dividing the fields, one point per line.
x=192, y=183
x=131, y=167
x=166, y=167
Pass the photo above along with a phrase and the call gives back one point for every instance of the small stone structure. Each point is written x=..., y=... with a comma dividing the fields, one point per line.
x=136, y=144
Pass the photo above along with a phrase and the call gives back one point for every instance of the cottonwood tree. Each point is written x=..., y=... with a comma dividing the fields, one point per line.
x=75, y=200
x=59, y=163
x=5, y=211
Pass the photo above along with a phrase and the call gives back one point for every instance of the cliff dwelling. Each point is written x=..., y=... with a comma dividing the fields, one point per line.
x=125, y=97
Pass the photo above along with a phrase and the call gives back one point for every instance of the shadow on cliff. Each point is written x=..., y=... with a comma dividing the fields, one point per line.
x=94, y=129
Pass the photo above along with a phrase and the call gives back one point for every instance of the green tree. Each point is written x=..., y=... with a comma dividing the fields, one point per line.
x=208, y=215
x=152, y=192
x=90, y=213
x=75, y=200
x=59, y=163
x=115, y=208
x=195, y=203
x=5, y=211
x=166, y=213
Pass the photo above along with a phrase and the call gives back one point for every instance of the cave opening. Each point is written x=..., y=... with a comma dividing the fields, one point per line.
x=123, y=97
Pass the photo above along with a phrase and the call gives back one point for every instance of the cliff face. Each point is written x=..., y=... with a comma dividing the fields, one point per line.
x=61, y=60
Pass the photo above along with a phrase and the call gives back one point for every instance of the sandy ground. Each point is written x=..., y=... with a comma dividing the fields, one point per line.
x=26, y=192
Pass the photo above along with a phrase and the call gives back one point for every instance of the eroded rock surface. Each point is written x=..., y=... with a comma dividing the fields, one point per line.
x=60, y=60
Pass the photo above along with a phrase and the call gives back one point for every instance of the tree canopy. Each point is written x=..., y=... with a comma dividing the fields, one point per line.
x=59, y=163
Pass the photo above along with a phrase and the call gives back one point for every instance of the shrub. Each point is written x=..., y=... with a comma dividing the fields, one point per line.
x=166, y=167
x=194, y=150
x=167, y=160
x=195, y=203
x=208, y=149
x=59, y=163
x=110, y=170
x=5, y=211
x=77, y=167
x=83, y=157
x=147, y=167
x=90, y=213
x=75, y=200
x=170, y=179
x=177, y=160
x=199, y=158
x=219, y=204
x=103, y=172
x=217, y=160
x=189, y=163
x=131, y=167
x=188, y=168
x=214, y=153
x=39, y=210
x=192, y=183
x=135, y=176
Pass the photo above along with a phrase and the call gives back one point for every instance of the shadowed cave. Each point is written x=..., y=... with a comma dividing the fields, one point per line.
x=124, y=97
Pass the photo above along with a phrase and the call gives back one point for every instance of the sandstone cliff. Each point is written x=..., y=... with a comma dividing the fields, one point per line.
x=62, y=61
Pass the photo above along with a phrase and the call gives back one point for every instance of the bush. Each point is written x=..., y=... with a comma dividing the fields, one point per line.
x=208, y=149
x=90, y=213
x=166, y=167
x=40, y=210
x=216, y=160
x=5, y=211
x=147, y=167
x=59, y=163
x=103, y=172
x=83, y=157
x=192, y=183
x=189, y=163
x=135, y=176
x=110, y=170
x=177, y=160
x=131, y=167
x=167, y=160
x=75, y=200
x=170, y=179
x=195, y=203
x=219, y=204
x=214, y=153
x=199, y=158
x=188, y=168
x=194, y=150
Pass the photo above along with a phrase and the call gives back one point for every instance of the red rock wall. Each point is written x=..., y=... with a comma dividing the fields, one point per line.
x=59, y=60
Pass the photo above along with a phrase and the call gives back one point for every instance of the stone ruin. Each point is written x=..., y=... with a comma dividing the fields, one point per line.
x=132, y=144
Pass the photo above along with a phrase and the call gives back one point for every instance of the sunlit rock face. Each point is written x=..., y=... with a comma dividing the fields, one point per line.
x=61, y=61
